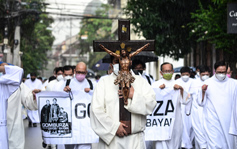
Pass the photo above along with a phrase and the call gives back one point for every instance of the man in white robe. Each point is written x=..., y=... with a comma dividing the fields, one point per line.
x=171, y=136
x=218, y=96
x=16, y=132
x=9, y=83
x=59, y=77
x=139, y=67
x=105, y=112
x=79, y=83
x=186, y=82
x=33, y=83
x=197, y=111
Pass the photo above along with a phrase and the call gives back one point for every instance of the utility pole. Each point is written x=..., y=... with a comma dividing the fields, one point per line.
x=70, y=46
x=16, y=50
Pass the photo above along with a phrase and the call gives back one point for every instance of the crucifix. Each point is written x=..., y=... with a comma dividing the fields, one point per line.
x=124, y=78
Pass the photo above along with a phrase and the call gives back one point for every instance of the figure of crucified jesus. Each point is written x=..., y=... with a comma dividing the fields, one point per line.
x=124, y=77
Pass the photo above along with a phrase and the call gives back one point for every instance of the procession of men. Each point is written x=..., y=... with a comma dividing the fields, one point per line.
x=198, y=112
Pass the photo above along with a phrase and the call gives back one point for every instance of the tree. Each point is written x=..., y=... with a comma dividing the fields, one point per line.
x=95, y=29
x=36, y=40
x=210, y=24
x=166, y=21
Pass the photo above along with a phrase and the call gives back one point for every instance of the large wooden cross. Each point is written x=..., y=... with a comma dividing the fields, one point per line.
x=123, y=37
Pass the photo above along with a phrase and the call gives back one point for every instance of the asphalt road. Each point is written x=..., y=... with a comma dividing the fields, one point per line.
x=33, y=138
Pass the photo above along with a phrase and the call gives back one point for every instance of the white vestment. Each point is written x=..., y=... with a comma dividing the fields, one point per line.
x=218, y=102
x=76, y=85
x=105, y=113
x=16, y=132
x=9, y=82
x=197, y=117
x=173, y=138
x=188, y=133
x=33, y=114
x=233, y=124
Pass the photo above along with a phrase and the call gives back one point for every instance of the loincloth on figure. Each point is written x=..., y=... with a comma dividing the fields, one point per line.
x=124, y=77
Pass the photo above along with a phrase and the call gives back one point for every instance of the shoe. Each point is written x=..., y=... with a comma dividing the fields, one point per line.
x=34, y=124
x=44, y=145
x=30, y=124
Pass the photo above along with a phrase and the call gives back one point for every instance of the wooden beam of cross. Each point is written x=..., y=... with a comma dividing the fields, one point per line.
x=133, y=45
x=123, y=37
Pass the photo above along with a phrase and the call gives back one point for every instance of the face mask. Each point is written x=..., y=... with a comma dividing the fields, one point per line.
x=32, y=79
x=228, y=75
x=198, y=74
x=116, y=69
x=185, y=78
x=80, y=77
x=167, y=76
x=60, y=77
x=68, y=77
x=220, y=76
x=1, y=74
x=204, y=77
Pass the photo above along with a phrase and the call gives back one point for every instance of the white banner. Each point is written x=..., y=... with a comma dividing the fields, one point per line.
x=66, y=120
x=159, y=124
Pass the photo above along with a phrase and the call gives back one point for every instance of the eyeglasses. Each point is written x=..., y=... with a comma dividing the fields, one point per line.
x=80, y=72
x=167, y=71
x=220, y=72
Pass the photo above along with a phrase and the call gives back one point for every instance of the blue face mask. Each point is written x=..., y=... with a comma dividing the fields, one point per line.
x=1, y=74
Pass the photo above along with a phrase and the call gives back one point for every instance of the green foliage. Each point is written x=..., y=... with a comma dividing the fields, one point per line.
x=36, y=41
x=210, y=24
x=165, y=21
x=95, y=29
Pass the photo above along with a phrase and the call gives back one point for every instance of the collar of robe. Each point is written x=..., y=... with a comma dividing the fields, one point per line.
x=226, y=78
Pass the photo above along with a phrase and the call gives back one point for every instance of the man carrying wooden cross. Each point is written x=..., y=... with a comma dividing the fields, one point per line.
x=121, y=124
x=105, y=112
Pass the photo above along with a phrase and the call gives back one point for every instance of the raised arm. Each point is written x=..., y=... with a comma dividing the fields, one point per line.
x=108, y=51
x=139, y=50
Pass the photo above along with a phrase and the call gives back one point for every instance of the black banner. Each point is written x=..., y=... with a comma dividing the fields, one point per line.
x=232, y=18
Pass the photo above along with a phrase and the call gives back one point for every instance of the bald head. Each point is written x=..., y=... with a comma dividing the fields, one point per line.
x=81, y=68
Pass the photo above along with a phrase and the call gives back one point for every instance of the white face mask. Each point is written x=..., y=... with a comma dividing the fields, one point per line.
x=185, y=78
x=116, y=69
x=220, y=76
x=60, y=77
x=68, y=77
x=204, y=77
x=198, y=74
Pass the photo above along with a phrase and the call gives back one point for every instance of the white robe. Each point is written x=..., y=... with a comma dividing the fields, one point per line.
x=50, y=86
x=197, y=117
x=105, y=113
x=33, y=114
x=9, y=82
x=218, y=102
x=76, y=85
x=188, y=133
x=173, y=142
x=16, y=132
x=233, y=124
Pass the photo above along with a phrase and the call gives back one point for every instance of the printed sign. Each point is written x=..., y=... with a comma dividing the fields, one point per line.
x=159, y=124
x=65, y=118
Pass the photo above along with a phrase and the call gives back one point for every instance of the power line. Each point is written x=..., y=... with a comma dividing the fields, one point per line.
x=87, y=5
x=80, y=16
